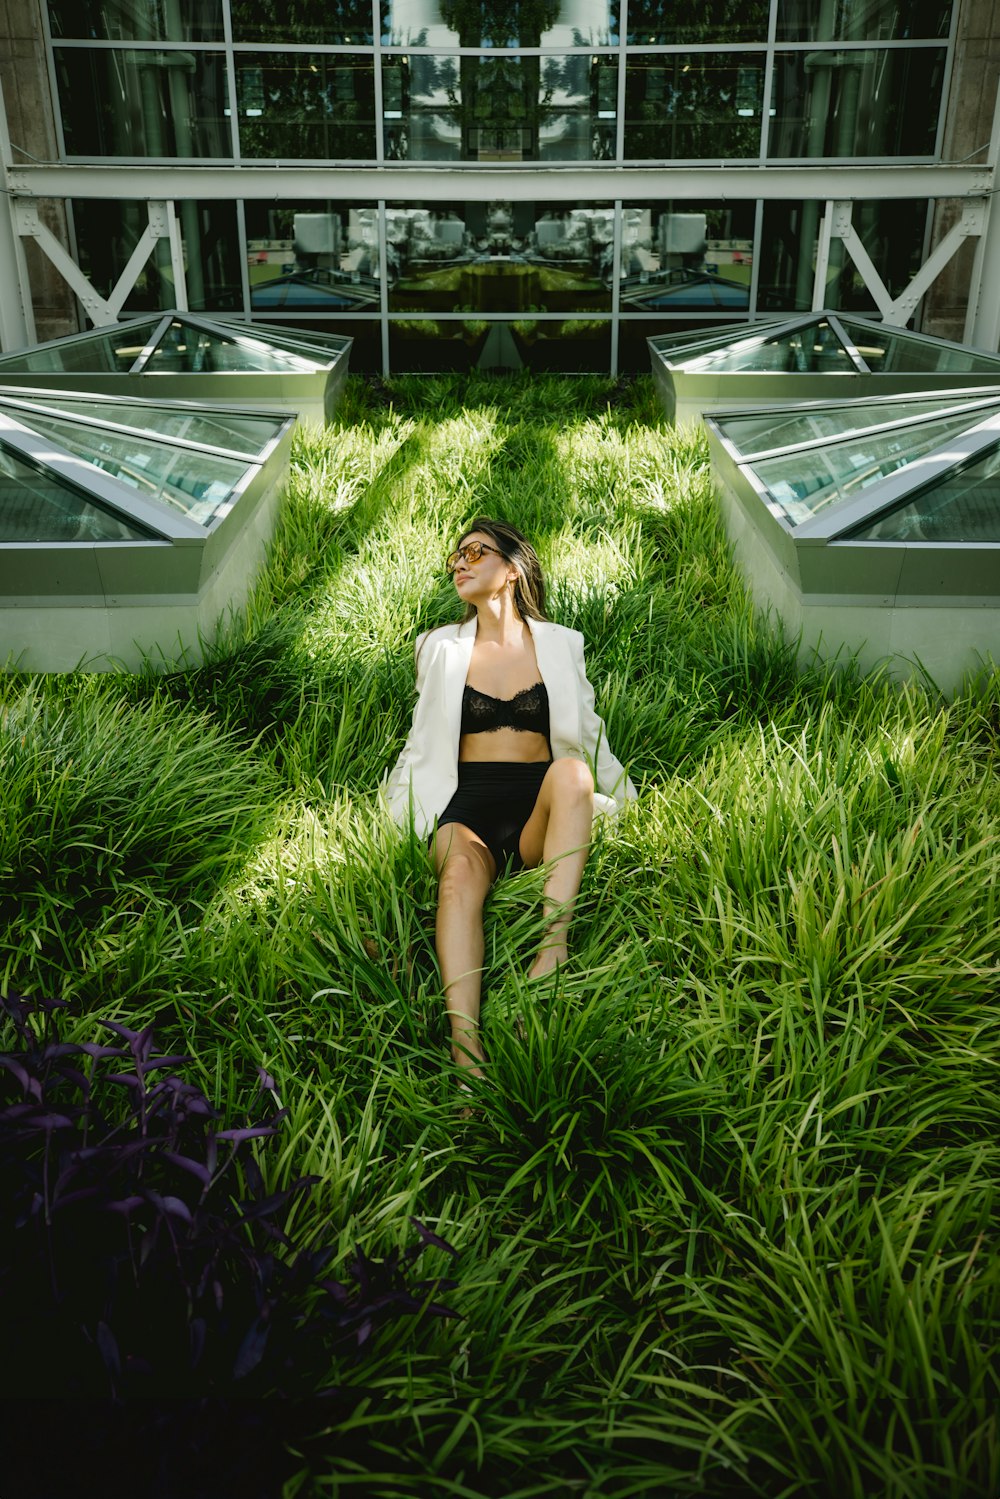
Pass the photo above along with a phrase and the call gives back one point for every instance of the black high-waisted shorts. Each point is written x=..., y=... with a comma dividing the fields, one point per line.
x=495, y=798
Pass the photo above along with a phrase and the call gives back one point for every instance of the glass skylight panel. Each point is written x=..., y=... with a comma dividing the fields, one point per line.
x=887, y=350
x=327, y=343
x=36, y=507
x=199, y=485
x=703, y=339
x=245, y=435
x=815, y=349
x=808, y=481
x=761, y=432
x=112, y=352
x=290, y=343
x=187, y=349
x=963, y=506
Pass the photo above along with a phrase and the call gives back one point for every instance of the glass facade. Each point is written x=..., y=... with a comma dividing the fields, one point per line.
x=466, y=83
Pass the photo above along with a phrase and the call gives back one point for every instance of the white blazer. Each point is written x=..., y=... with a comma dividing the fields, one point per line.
x=427, y=770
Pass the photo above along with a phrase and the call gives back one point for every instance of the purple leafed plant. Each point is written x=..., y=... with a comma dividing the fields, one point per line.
x=140, y=1251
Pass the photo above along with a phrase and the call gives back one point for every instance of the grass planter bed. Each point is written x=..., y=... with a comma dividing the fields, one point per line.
x=725, y=1219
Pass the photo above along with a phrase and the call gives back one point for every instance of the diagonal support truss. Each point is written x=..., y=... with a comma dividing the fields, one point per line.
x=101, y=310
x=895, y=310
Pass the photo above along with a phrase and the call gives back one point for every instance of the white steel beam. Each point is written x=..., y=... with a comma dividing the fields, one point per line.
x=845, y=231
x=177, y=259
x=982, y=322
x=971, y=223
x=819, y=300
x=29, y=224
x=524, y=183
x=154, y=230
x=17, y=322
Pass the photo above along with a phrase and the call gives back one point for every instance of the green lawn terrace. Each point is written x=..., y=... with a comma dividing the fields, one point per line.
x=726, y=1211
x=817, y=356
x=182, y=356
x=131, y=531
x=872, y=526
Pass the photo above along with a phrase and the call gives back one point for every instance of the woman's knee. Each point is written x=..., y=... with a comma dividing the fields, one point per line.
x=572, y=779
x=463, y=877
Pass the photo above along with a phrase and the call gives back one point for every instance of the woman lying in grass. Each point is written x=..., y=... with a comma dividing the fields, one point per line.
x=497, y=766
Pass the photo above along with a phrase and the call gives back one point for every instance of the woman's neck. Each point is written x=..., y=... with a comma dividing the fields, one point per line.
x=498, y=621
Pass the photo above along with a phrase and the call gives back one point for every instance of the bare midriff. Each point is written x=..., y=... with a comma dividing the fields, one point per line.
x=504, y=744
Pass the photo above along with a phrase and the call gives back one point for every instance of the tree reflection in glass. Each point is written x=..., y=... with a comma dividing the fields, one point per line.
x=330, y=23
x=499, y=108
x=663, y=23
x=694, y=106
x=500, y=23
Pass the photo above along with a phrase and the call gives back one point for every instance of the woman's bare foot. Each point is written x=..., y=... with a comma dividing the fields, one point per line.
x=548, y=960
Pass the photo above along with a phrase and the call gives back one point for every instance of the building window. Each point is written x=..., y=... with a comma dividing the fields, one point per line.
x=144, y=102
x=474, y=23
x=694, y=106
x=859, y=102
x=305, y=106
x=499, y=108
x=312, y=257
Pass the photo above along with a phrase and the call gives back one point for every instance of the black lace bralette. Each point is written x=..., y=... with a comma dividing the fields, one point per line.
x=527, y=710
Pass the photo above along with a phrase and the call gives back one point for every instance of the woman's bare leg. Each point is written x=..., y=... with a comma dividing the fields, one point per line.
x=465, y=872
x=558, y=834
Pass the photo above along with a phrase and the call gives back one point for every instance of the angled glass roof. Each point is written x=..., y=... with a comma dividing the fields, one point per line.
x=38, y=505
x=76, y=468
x=909, y=468
x=180, y=342
x=821, y=343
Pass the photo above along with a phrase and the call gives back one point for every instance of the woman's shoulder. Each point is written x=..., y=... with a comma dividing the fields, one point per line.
x=557, y=632
x=438, y=632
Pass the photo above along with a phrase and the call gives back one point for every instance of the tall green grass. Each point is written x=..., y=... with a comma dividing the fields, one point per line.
x=726, y=1206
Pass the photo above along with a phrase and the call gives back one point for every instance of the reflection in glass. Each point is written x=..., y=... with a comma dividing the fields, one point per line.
x=298, y=106
x=804, y=483
x=35, y=507
x=683, y=255
x=211, y=255
x=964, y=506
x=663, y=23
x=499, y=257
x=114, y=352
x=198, y=484
x=574, y=344
x=499, y=23
x=124, y=21
x=320, y=256
x=694, y=106
x=329, y=23
x=788, y=245
x=862, y=20
x=863, y=103
x=144, y=103
x=499, y=108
